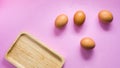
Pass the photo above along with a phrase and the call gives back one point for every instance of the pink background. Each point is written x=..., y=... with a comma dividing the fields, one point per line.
x=37, y=17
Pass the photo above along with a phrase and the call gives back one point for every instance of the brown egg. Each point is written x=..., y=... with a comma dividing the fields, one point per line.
x=87, y=43
x=105, y=16
x=79, y=17
x=61, y=20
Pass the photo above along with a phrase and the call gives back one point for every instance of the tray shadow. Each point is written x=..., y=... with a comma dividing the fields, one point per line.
x=7, y=64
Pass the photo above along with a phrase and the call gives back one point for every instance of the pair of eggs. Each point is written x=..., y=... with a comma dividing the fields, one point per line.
x=104, y=16
x=62, y=20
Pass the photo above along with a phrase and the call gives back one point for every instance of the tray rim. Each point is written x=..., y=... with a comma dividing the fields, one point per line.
x=16, y=64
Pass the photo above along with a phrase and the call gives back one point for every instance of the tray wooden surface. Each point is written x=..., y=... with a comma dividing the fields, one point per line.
x=27, y=52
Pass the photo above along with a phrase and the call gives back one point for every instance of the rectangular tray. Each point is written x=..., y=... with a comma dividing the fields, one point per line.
x=27, y=52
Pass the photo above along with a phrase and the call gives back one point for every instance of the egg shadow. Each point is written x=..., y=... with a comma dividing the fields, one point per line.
x=7, y=64
x=86, y=54
x=105, y=26
x=77, y=28
x=59, y=31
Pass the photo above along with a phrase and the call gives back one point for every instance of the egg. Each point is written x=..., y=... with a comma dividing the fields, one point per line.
x=79, y=17
x=87, y=43
x=105, y=16
x=61, y=20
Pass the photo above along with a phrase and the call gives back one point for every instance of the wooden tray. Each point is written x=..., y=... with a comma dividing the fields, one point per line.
x=26, y=52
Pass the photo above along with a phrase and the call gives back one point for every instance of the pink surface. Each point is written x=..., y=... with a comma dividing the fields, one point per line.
x=37, y=17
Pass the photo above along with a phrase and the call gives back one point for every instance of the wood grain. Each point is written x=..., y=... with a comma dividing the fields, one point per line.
x=26, y=52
